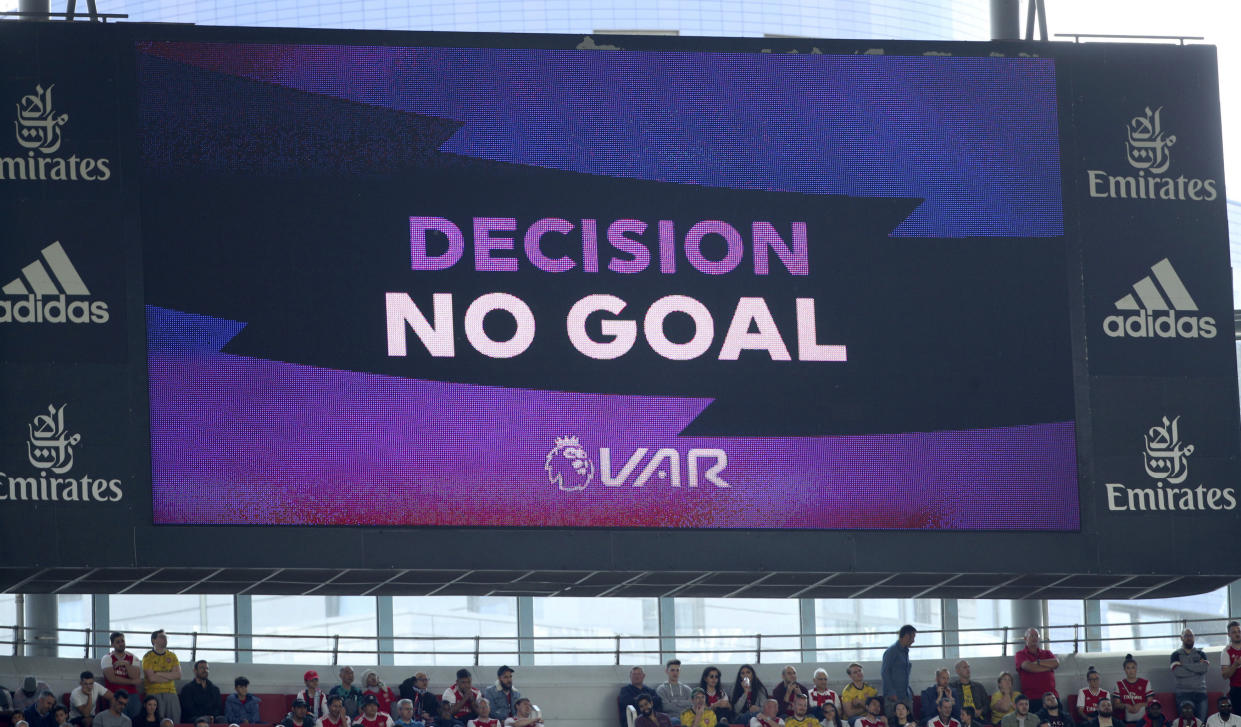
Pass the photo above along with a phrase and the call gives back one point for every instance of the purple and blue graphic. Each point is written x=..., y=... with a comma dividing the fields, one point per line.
x=244, y=441
x=527, y=288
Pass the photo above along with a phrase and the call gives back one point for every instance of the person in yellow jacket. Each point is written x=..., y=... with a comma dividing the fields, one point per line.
x=801, y=716
x=698, y=715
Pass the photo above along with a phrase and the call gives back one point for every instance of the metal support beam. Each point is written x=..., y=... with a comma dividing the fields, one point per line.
x=39, y=10
x=667, y=629
x=1094, y=625
x=525, y=630
x=42, y=623
x=809, y=638
x=1234, y=599
x=101, y=623
x=383, y=619
x=1026, y=613
x=1005, y=19
x=952, y=624
x=243, y=622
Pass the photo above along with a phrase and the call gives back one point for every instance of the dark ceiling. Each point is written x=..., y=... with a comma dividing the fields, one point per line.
x=713, y=584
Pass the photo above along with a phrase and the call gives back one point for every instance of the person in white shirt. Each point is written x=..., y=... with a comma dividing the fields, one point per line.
x=84, y=697
x=1224, y=717
x=484, y=718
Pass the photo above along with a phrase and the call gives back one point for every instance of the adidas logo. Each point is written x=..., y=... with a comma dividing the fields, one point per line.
x=33, y=296
x=1159, y=309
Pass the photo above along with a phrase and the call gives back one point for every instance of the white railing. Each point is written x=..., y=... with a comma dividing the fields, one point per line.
x=622, y=648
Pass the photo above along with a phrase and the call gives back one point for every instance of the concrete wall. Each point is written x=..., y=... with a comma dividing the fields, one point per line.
x=586, y=695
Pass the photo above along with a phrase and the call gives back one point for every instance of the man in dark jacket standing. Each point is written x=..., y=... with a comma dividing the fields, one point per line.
x=201, y=698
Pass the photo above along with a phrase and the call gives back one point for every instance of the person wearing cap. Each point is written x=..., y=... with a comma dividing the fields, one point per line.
x=371, y=716
x=698, y=715
x=242, y=707
x=415, y=689
x=312, y=695
x=524, y=715
x=29, y=693
x=371, y=684
x=299, y=715
x=115, y=715
x=483, y=718
x=501, y=695
x=462, y=696
x=349, y=692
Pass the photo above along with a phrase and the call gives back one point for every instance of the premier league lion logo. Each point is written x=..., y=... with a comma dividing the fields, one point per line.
x=568, y=466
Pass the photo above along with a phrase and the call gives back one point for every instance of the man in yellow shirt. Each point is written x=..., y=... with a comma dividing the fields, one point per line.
x=160, y=672
x=801, y=714
x=853, y=697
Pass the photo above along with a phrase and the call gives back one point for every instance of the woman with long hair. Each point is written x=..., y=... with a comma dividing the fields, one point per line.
x=831, y=717
x=149, y=716
x=900, y=715
x=748, y=695
x=717, y=696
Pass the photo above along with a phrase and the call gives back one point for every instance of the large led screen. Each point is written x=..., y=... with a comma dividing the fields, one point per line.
x=433, y=286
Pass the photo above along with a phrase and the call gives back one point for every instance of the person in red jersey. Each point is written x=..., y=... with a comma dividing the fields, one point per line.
x=1230, y=662
x=484, y=718
x=874, y=714
x=371, y=684
x=944, y=708
x=1089, y=697
x=462, y=696
x=335, y=716
x=821, y=694
x=1037, y=668
x=370, y=716
x=122, y=671
x=1134, y=692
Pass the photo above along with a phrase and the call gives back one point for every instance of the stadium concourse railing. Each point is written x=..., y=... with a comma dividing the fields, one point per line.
x=622, y=648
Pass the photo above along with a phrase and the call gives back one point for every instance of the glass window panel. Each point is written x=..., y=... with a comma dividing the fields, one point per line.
x=307, y=627
x=592, y=624
x=182, y=617
x=454, y=621
x=8, y=622
x=860, y=629
x=73, y=619
x=1066, y=619
x=725, y=630
x=981, y=622
x=1206, y=614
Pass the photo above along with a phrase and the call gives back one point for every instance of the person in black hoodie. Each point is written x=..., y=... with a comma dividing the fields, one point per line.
x=1053, y=714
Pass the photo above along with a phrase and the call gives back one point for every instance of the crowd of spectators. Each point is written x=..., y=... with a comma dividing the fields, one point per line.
x=1027, y=697
x=143, y=693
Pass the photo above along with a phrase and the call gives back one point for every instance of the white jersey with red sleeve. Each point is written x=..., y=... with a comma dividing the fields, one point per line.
x=818, y=699
x=381, y=719
x=122, y=667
